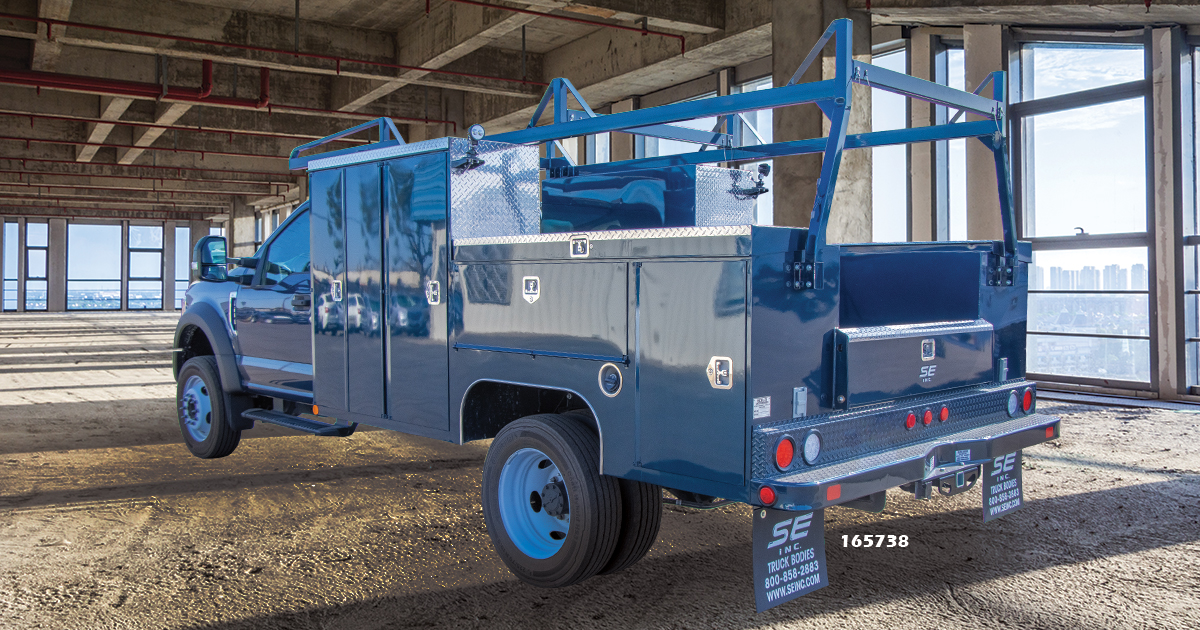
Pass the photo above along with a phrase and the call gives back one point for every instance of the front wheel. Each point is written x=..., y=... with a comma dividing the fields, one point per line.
x=553, y=518
x=202, y=411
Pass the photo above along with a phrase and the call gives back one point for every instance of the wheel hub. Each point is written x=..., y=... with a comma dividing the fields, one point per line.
x=533, y=501
x=554, y=499
x=195, y=409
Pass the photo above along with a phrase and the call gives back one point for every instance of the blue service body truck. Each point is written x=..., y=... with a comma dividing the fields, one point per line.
x=622, y=328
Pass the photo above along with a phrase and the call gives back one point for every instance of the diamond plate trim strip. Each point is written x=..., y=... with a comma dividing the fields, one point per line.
x=917, y=330
x=610, y=235
x=909, y=452
x=425, y=146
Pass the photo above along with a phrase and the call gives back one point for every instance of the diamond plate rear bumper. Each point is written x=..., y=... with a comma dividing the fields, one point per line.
x=828, y=486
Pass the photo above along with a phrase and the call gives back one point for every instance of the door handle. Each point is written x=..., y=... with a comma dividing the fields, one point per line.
x=301, y=300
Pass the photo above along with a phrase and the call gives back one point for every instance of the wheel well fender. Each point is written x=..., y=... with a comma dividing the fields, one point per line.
x=489, y=405
x=202, y=330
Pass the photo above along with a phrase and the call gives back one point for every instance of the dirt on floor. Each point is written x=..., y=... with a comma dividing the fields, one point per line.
x=106, y=521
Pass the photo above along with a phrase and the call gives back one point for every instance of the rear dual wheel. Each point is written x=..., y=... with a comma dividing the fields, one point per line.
x=553, y=519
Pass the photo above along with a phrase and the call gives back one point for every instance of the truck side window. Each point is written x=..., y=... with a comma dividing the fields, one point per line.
x=288, y=253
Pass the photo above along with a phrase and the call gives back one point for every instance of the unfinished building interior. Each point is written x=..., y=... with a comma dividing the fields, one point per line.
x=129, y=129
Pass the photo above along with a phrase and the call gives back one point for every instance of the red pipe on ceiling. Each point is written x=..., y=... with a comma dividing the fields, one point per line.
x=50, y=22
x=565, y=18
x=157, y=179
x=179, y=169
x=130, y=123
x=162, y=215
x=135, y=89
x=171, y=204
x=28, y=141
x=106, y=201
x=96, y=85
x=241, y=193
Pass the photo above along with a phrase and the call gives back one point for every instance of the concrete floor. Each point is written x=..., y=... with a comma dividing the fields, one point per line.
x=107, y=522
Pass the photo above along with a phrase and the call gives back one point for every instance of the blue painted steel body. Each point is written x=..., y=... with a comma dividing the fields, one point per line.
x=725, y=337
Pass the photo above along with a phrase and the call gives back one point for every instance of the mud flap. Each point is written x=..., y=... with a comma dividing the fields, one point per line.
x=789, y=555
x=1002, y=492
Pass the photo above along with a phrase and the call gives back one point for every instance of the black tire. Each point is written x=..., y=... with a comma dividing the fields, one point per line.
x=206, y=433
x=594, y=500
x=641, y=515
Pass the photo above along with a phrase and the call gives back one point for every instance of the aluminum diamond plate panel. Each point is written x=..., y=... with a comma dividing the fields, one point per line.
x=716, y=201
x=610, y=235
x=501, y=197
x=916, y=330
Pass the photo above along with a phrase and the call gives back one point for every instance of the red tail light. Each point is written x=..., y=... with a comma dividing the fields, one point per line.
x=944, y=415
x=928, y=417
x=785, y=451
x=910, y=421
x=766, y=495
x=1027, y=400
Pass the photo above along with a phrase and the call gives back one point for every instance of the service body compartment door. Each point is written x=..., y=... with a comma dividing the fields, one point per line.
x=688, y=314
x=364, y=290
x=415, y=194
x=347, y=279
x=327, y=235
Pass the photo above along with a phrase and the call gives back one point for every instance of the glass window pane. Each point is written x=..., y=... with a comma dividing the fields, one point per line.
x=1107, y=314
x=1089, y=357
x=957, y=157
x=145, y=294
x=1112, y=269
x=93, y=252
x=758, y=125
x=602, y=148
x=145, y=265
x=35, y=295
x=11, y=251
x=1088, y=170
x=183, y=252
x=145, y=236
x=10, y=295
x=181, y=287
x=889, y=165
x=37, y=234
x=663, y=146
x=1065, y=68
x=36, y=263
x=94, y=295
x=216, y=230
x=288, y=253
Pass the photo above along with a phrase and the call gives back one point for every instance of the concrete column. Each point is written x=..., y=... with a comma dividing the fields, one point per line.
x=168, y=266
x=56, y=267
x=923, y=195
x=983, y=45
x=21, y=259
x=798, y=24
x=241, y=229
x=620, y=145
x=1167, y=53
x=124, y=265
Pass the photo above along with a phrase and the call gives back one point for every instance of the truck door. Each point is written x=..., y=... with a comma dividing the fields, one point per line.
x=272, y=315
x=418, y=370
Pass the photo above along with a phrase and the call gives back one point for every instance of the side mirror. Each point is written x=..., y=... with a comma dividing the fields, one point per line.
x=243, y=274
x=208, y=259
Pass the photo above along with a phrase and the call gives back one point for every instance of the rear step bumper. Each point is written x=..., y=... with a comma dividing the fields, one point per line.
x=838, y=483
x=300, y=424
